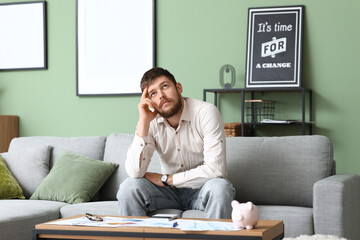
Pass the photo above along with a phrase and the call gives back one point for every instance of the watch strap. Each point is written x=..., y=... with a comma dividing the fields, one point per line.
x=163, y=180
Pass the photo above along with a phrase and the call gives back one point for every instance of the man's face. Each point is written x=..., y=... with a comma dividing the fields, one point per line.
x=165, y=96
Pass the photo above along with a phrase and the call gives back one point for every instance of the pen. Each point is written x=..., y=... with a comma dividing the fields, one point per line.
x=175, y=224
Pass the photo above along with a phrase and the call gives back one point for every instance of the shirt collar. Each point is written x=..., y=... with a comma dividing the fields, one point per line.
x=185, y=115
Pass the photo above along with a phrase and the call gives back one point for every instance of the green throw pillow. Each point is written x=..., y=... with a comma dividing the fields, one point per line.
x=74, y=179
x=9, y=187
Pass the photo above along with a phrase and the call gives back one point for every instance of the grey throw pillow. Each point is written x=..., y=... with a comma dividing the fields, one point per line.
x=29, y=167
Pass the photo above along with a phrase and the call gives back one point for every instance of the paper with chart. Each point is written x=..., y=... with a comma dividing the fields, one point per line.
x=182, y=224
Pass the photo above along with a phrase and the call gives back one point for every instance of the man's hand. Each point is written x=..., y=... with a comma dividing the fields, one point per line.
x=145, y=114
x=155, y=178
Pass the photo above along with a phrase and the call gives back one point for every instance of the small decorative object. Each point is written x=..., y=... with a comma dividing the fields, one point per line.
x=225, y=70
x=274, y=47
x=244, y=215
x=258, y=110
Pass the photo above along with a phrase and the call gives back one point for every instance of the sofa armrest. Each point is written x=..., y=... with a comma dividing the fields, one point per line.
x=336, y=206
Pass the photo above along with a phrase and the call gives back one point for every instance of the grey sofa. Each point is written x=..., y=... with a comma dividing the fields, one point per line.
x=289, y=178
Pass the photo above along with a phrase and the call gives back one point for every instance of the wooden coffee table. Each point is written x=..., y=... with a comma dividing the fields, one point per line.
x=266, y=230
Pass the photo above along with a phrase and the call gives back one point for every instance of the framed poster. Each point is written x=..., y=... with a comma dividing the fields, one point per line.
x=115, y=45
x=274, y=47
x=23, y=36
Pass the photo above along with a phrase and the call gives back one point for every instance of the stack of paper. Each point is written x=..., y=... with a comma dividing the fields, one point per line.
x=182, y=224
x=277, y=121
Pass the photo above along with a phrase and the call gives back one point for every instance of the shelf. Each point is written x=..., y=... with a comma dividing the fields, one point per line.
x=252, y=91
x=247, y=90
x=292, y=123
x=9, y=129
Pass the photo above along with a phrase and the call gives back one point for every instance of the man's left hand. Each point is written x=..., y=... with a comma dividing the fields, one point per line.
x=155, y=178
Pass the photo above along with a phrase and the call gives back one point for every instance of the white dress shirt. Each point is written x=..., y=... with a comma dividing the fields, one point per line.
x=195, y=152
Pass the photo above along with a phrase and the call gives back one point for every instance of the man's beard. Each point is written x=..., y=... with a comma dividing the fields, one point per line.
x=172, y=111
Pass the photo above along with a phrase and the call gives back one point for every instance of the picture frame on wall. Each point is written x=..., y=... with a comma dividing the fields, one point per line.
x=115, y=45
x=23, y=42
x=274, y=47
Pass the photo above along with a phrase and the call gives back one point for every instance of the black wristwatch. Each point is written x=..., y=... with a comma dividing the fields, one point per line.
x=164, y=178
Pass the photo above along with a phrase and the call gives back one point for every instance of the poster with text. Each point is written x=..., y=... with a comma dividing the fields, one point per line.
x=274, y=47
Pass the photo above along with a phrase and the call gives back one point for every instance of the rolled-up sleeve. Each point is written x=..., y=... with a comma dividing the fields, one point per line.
x=139, y=156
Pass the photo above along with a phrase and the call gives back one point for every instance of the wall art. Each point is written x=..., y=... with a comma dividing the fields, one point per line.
x=115, y=45
x=23, y=36
x=274, y=47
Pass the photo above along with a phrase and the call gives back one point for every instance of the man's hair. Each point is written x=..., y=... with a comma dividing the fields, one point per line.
x=154, y=73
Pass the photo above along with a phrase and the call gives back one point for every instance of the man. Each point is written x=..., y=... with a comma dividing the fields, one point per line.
x=189, y=137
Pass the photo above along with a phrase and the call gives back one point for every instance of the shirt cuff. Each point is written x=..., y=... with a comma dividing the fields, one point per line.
x=134, y=153
x=179, y=180
x=138, y=143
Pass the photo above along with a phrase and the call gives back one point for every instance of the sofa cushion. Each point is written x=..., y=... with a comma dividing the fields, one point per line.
x=109, y=208
x=19, y=217
x=116, y=148
x=9, y=187
x=278, y=170
x=29, y=166
x=92, y=147
x=74, y=179
x=297, y=220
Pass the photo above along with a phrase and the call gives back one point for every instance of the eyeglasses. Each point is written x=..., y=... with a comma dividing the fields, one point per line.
x=93, y=217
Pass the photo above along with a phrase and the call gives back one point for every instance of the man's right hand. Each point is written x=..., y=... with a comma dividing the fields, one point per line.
x=145, y=114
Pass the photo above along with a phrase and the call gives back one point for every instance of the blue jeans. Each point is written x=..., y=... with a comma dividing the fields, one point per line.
x=137, y=196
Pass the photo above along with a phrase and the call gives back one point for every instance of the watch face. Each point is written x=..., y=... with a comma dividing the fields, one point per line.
x=163, y=178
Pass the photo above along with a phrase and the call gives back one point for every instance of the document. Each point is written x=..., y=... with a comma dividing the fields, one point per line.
x=199, y=225
x=116, y=222
x=278, y=121
x=182, y=224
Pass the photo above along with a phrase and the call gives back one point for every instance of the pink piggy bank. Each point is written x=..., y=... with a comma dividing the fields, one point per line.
x=244, y=215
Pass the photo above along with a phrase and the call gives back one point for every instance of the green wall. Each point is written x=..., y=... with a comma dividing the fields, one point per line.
x=194, y=39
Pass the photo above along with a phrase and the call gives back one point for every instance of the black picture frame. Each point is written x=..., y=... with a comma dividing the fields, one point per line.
x=274, y=47
x=23, y=41
x=115, y=45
